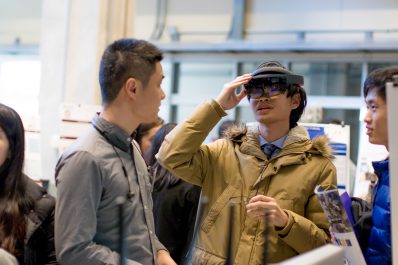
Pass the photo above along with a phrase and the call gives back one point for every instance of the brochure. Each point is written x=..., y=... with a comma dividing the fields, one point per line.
x=340, y=223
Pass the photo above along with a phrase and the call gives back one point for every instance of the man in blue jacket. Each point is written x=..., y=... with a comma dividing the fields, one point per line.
x=378, y=246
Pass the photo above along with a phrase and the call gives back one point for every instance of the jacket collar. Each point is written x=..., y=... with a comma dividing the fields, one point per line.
x=381, y=165
x=297, y=141
x=112, y=133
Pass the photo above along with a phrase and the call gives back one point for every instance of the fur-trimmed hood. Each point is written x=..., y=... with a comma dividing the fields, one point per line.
x=322, y=145
x=318, y=145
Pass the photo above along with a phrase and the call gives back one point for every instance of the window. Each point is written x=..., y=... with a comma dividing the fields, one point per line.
x=374, y=66
x=332, y=79
x=20, y=87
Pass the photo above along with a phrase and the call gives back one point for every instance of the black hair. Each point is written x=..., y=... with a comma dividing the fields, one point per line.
x=277, y=68
x=14, y=203
x=377, y=79
x=158, y=140
x=123, y=59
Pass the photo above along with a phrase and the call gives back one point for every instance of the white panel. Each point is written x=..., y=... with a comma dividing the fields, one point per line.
x=392, y=110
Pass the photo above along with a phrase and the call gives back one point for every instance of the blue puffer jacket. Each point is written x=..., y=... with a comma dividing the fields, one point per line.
x=378, y=250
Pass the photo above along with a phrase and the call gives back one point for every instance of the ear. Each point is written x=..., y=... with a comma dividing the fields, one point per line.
x=130, y=87
x=296, y=100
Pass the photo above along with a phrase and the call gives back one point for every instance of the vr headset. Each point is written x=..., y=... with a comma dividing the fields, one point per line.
x=271, y=81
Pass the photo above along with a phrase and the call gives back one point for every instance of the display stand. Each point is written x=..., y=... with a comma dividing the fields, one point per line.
x=325, y=255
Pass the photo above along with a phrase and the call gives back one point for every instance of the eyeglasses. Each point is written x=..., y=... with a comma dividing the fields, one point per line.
x=270, y=85
x=260, y=90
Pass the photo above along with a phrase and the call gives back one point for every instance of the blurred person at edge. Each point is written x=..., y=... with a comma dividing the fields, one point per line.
x=269, y=169
x=175, y=203
x=26, y=210
x=6, y=258
x=104, y=170
x=145, y=134
x=224, y=126
x=374, y=226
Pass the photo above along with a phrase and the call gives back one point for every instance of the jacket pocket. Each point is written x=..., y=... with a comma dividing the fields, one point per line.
x=286, y=204
x=202, y=257
x=217, y=207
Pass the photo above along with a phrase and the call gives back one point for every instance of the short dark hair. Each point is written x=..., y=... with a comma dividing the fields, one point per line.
x=277, y=68
x=377, y=79
x=123, y=59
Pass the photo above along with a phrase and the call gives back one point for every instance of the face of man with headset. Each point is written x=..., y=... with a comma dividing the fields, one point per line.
x=268, y=95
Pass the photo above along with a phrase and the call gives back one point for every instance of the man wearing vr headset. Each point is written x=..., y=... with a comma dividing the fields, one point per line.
x=267, y=171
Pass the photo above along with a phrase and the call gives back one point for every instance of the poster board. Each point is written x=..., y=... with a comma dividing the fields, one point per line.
x=339, y=136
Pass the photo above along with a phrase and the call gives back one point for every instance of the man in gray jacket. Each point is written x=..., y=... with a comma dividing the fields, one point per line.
x=104, y=167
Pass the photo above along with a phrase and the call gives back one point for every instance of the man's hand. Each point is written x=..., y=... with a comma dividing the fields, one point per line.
x=164, y=258
x=259, y=206
x=228, y=98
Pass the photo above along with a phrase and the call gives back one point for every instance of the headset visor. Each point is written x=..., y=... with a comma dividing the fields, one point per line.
x=270, y=85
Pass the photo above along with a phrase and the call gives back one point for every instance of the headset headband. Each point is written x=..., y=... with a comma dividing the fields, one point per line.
x=271, y=70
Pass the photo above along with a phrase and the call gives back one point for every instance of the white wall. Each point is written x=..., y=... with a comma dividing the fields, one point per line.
x=267, y=15
x=20, y=19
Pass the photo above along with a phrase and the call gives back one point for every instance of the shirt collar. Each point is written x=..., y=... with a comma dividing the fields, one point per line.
x=278, y=142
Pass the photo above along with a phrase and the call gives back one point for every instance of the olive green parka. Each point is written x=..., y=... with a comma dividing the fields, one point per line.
x=233, y=170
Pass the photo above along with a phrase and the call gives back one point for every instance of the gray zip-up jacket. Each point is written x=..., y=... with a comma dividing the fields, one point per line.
x=90, y=176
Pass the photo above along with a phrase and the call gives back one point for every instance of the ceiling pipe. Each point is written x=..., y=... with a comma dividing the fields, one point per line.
x=236, y=31
x=161, y=14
